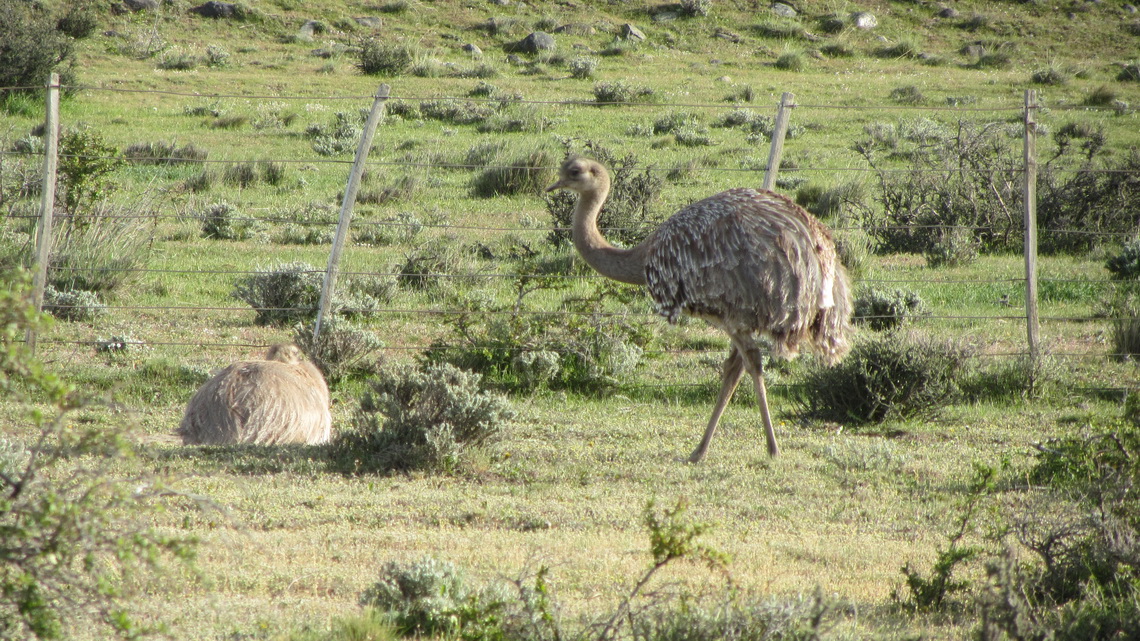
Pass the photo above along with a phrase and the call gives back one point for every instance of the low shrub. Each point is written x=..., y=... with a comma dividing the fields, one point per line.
x=431, y=598
x=882, y=309
x=895, y=376
x=282, y=294
x=287, y=293
x=589, y=350
x=908, y=95
x=582, y=67
x=341, y=137
x=401, y=228
x=1049, y=76
x=241, y=174
x=164, y=153
x=1077, y=208
x=425, y=417
x=791, y=61
x=341, y=350
x=620, y=91
x=429, y=268
x=378, y=57
x=695, y=8
x=1126, y=264
x=310, y=224
x=72, y=305
x=934, y=207
x=529, y=173
x=223, y=221
x=79, y=21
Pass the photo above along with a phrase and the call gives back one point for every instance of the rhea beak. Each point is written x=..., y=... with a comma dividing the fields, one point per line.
x=557, y=185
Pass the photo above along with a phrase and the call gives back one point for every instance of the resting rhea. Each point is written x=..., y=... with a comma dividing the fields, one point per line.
x=747, y=261
x=282, y=399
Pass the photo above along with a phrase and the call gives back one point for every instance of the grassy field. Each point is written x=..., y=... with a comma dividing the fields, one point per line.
x=297, y=541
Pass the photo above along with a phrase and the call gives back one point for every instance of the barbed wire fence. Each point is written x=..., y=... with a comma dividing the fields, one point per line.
x=1030, y=315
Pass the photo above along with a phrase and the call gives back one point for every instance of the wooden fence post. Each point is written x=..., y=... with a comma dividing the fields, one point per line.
x=47, y=201
x=779, y=130
x=1030, y=196
x=348, y=203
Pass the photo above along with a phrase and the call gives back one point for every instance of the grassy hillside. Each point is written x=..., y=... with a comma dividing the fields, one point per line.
x=266, y=107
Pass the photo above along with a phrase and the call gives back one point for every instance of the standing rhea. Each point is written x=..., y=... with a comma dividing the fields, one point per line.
x=282, y=399
x=749, y=262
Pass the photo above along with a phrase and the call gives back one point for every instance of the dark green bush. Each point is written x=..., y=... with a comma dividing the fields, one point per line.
x=961, y=191
x=896, y=376
x=79, y=21
x=908, y=95
x=883, y=309
x=1076, y=209
x=430, y=268
x=86, y=162
x=530, y=174
x=32, y=47
x=588, y=350
x=425, y=417
x=1126, y=264
x=695, y=8
x=383, y=58
x=164, y=153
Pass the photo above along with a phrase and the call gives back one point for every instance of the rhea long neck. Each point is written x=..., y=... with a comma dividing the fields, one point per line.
x=625, y=265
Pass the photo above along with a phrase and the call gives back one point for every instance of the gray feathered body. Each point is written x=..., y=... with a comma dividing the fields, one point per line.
x=754, y=262
x=266, y=402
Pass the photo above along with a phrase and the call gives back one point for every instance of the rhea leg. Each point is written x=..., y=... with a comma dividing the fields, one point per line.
x=730, y=377
x=754, y=362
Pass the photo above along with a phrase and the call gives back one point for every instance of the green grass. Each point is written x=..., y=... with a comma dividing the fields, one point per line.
x=298, y=542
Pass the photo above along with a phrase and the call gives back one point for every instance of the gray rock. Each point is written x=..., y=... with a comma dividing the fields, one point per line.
x=1129, y=8
x=140, y=5
x=576, y=29
x=973, y=50
x=534, y=43
x=630, y=32
x=472, y=49
x=947, y=12
x=783, y=10
x=213, y=9
x=308, y=29
x=369, y=22
x=864, y=20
